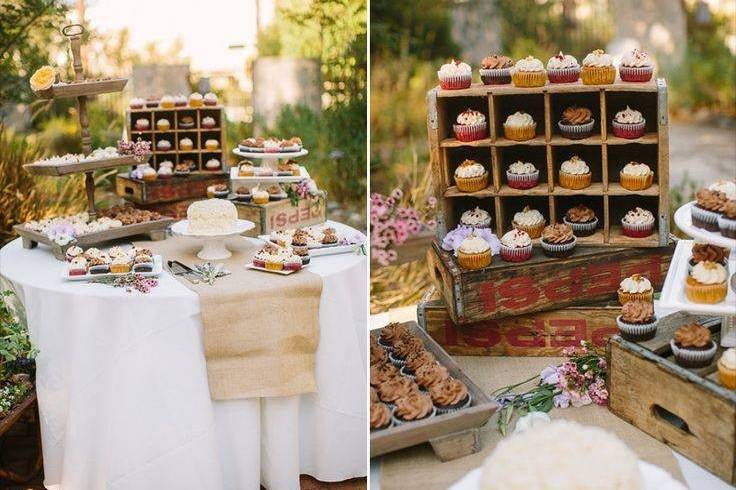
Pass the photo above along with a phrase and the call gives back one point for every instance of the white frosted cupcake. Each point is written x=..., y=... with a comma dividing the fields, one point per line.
x=728, y=187
x=516, y=246
x=455, y=75
x=474, y=253
x=629, y=124
x=575, y=173
x=638, y=223
x=519, y=126
x=522, y=175
x=476, y=218
x=598, y=68
x=635, y=288
x=529, y=72
x=470, y=126
x=471, y=176
x=636, y=67
x=636, y=176
x=531, y=221
x=563, y=68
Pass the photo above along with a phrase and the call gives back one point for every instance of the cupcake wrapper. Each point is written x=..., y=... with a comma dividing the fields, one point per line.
x=563, y=75
x=582, y=229
x=598, y=75
x=495, y=76
x=576, y=131
x=472, y=184
x=629, y=131
x=398, y=421
x=625, y=297
x=442, y=411
x=405, y=372
x=559, y=248
x=636, y=182
x=474, y=261
x=727, y=226
x=704, y=218
x=399, y=363
x=692, y=356
x=637, y=230
x=455, y=82
x=529, y=78
x=516, y=254
x=634, y=329
x=520, y=134
x=727, y=376
x=470, y=132
x=635, y=73
x=522, y=181
x=533, y=231
x=575, y=181
x=390, y=424
x=706, y=293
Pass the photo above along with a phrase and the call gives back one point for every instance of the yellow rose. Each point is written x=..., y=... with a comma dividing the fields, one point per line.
x=43, y=78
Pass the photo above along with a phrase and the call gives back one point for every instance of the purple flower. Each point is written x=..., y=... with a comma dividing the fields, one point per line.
x=562, y=400
x=549, y=375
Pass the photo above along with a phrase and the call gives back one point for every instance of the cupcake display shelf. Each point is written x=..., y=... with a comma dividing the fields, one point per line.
x=79, y=167
x=604, y=153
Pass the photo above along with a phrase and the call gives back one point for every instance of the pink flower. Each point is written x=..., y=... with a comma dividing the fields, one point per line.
x=397, y=194
x=431, y=201
x=578, y=399
x=549, y=375
x=562, y=400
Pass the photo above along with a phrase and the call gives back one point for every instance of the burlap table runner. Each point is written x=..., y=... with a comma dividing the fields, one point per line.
x=418, y=467
x=261, y=330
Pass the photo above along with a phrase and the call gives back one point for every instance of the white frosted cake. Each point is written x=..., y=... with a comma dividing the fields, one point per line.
x=212, y=217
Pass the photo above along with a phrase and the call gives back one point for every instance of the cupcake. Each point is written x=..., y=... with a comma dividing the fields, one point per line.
x=727, y=369
x=143, y=263
x=598, y=68
x=209, y=99
x=120, y=265
x=208, y=122
x=471, y=176
x=709, y=204
x=149, y=174
x=455, y=75
x=100, y=264
x=218, y=190
x=705, y=252
x=558, y=240
x=186, y=144
x=575, y=173
x=522, y=175
x=77, y=266
x=212, y=145
x=563, y=68
x=246, y=169
x=496, y=69
x=706, y=283
x=727, y=221
x=692, y=346
x=212, y=164
x=576, y=123
x=180, y=101
x=413, y=407
x=260, y=196
x=163, y=125
x=529, y=220
x=142, y=124
x=529, y=72
x=476, y=218
x=416, y=360
x=151, y=102
x=380, y=416
x=430, y=374
x=73, y=252
x=182, y=169
x=195, y=100
x=519, y=127
x=728, y=187
x=163, y=145
x=638, y=223
x=637, y=321
x=636, y=176
x=471, y=126
x=581, y=219
x=378, y=355
x=636, y=67
x=450, y=396
x=186, y=122
x=629, y=124
x=395, y=388
x=635, y=288
x=474, y=253
x=516, y=246
x=404, y=348
x=392, y=333
x=167, y=102
x=137, y=103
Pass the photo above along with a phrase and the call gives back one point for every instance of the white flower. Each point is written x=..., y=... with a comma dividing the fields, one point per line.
x=530, y=421
x=549, y=375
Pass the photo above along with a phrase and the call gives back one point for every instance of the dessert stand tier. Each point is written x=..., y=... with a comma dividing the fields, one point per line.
x=262, y=155
x=266, y=180
x=684, y=222
x=84, y=88
x=213, y=246
x=56, y=170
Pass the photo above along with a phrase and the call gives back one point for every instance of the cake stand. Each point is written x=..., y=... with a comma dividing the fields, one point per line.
x=213, y=246
x=270, y=160
x=673, y=292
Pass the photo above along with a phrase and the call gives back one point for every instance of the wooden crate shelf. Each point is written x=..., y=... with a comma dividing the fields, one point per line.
x=604, y=153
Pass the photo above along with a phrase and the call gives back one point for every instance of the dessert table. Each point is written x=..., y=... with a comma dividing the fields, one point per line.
x=123, y=394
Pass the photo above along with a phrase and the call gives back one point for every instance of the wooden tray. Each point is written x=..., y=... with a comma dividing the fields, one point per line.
x=687, y=409
x=544, y=333
x=590, y=275
x=77, y=167
x=452, y=435
x=86, y=88
x=156, y=230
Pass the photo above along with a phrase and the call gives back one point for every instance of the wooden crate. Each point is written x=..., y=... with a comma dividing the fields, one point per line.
x=590, y=275
x=176, y=209
x=687, y=409
x=167, y=190
x=605, y=154
x=451, y=435
x=282, y=215
x=199, y=155
x=544, y=333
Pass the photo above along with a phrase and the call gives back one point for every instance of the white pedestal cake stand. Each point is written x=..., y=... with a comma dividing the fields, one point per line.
x=270, y=160
x=213, y=246
x=673, y=293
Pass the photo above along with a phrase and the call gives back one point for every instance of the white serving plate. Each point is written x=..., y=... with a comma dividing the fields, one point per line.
x=270, y=179
x=684, y=222
x=281, y=272
x=322, y=249
x=158, y=267
x=262, y=155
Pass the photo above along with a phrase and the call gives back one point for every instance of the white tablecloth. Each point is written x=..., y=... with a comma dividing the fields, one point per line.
x=123, y=394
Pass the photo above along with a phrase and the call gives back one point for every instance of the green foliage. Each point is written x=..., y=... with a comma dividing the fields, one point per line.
x=14, y=341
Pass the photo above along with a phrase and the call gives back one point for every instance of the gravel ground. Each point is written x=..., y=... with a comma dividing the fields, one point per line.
x=702, y=153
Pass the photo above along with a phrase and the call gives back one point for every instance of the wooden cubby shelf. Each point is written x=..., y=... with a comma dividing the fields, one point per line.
x=605, y=154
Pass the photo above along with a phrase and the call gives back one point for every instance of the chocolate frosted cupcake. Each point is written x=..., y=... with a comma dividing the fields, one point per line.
x=380, y=373
x=727, y=221
x=692, y=346
x=581, y=219
x=496, y=69
x=380, y=416
x=430, y=374
x=705, y=252
x=558, y=240
x=416, y=360
x=392, y=333
x=450, y=395
x=378, y=355
x=413, y=407
x=374, y=395
x=576, y=123
x=395, y=388
x=637, y=321
x=407, y=346
x=709, y=204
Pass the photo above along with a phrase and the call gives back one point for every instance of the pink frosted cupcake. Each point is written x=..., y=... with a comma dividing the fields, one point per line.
x=455, y=75
x=629, y=124
x=522, y=175
x=636, y=67
x=563, y=68
x=638, y=223
x=471, y=126
x=516, y=246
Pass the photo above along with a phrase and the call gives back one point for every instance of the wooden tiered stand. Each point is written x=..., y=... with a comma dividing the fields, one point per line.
x=605, y=154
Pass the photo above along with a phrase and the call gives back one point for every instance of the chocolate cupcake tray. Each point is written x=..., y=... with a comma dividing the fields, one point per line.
x=452, y=435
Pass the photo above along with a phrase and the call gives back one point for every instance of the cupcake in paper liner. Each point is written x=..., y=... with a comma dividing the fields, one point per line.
x=636, y=176
x=629, y=124
x=637, y=321
x=522, y=175
x=709, y=203
x=476, y=218
x=470, y=126
x=529, y=72
x=576, y=123
x=380, y=417
x=405, y=372
x=413, y=407
x=727, y=368
x=727, y=221
x=638, y=223
x=516, y=246
x=707, y=283
x=455, y=75
x=391, y=334
x=636, y=66
x=529, y=220
x=471, y=176
x=429, y=374
x=705, y=252
x=450, y=396
x=519, y=126
x=392, y=390
x=455, y=238
x=496, y=69
x=581, y=219
x=635, y=288
x=575, y=173
x=563, y=68
x=558, y=240
x=404, y=348
x=380, y=373
x=416, y=360
x=474, y=253
x=692, y=346
x=598, y=68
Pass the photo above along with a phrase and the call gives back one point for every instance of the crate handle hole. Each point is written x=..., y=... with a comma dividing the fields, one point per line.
x=665, y=415
x=437, y=272
x=129, y=191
